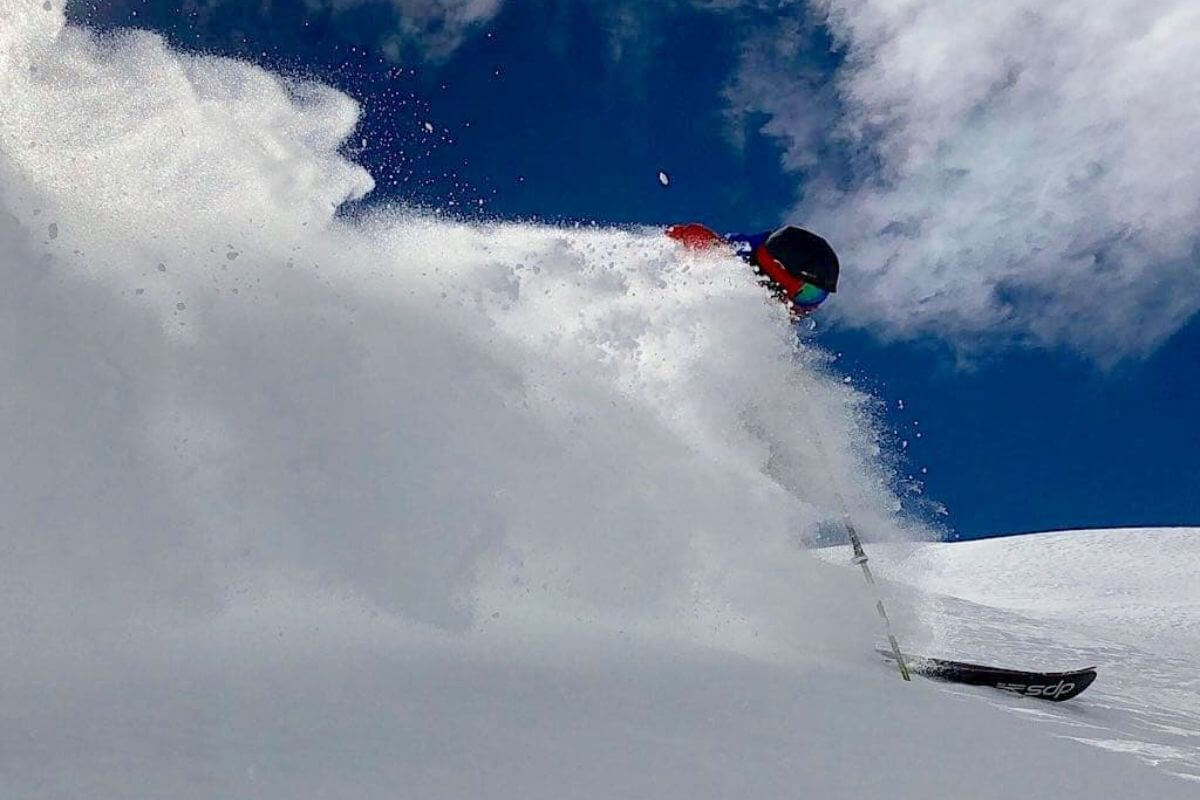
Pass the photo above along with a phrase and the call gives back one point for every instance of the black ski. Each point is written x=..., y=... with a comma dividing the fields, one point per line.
x=1056, y=686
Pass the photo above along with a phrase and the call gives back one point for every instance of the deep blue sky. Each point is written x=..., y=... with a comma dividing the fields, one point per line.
x=534, y=116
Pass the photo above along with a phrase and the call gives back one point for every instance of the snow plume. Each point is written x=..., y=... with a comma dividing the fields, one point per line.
x=1027, y=170
x=219, y=394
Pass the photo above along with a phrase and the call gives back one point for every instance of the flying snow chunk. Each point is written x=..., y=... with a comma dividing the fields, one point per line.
x=664, y=178
x=428, y=127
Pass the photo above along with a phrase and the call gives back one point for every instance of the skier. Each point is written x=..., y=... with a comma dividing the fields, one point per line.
x=799, y=267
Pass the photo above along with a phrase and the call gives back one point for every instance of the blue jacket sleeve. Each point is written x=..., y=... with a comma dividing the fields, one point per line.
x=744, y=244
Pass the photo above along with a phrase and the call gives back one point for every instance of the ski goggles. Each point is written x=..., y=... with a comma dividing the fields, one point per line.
x=809, y=297
x=791, y=288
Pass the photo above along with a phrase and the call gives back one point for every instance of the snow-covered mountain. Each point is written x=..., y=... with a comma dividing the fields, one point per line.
x=297, y=505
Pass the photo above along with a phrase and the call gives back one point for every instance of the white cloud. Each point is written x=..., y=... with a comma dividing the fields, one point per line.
x=778, y=75
x=1021, y=169
x=434, y=27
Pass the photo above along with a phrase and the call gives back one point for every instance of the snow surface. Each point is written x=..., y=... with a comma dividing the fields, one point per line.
x=1138, y=581
x=1122, y=600
x=299, y=505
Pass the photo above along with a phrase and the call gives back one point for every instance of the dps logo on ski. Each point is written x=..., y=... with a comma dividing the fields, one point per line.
x=1053, y=691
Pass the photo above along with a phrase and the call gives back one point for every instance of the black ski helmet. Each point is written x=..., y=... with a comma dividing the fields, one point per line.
x=805, y=255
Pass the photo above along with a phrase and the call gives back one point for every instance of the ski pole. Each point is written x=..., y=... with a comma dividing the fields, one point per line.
x=860, y=555
x=860, y=558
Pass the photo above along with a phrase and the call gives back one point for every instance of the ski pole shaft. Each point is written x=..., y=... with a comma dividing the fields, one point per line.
x=860, y=555
x=860, y=558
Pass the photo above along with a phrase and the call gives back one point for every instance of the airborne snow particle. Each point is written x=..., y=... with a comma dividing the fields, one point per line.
x=664, y=178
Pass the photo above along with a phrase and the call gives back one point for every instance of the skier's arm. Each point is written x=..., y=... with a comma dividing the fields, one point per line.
x=695, y=236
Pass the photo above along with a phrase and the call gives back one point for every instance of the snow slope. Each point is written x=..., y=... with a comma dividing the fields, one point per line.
x=1123, y=600
x=1140, y=582
x=299, y=505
